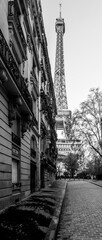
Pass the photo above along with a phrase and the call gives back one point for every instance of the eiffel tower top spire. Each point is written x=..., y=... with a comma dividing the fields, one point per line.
x=59, y=78
x=60, y=9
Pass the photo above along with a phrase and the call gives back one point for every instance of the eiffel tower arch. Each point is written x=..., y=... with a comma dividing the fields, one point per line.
x=63, y=113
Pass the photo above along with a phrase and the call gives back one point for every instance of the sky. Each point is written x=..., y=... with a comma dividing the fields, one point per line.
x=82, y=45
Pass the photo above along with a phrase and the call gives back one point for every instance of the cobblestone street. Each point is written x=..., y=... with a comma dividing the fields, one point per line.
x=81, y=217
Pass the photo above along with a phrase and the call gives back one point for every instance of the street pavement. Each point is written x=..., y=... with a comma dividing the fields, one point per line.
x=81, y=216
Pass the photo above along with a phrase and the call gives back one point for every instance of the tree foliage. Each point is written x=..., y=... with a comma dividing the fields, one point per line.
x=94, y=167
x=86, y=122
x=71, y=163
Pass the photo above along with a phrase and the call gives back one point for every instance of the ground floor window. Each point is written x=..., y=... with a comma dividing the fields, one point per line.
x=15, y=171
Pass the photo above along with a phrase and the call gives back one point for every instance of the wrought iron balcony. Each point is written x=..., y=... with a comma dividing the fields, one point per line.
x=48, y=137
x=38, y=17
x=46, y=107
x=44, y=103
x=24, y=6
x=43, y=130
x=8, y=60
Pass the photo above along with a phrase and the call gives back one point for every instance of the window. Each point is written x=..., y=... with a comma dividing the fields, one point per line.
x=16, y=131
x=16, y=126
x=33, y=143
x=16, y=153
x=33, y=147
x=15, y=171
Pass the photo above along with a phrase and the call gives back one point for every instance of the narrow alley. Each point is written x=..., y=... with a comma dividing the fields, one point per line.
x=81, y=217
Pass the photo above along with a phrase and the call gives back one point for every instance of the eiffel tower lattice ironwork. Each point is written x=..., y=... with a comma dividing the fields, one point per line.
x=63, y=118
x=59, y=78
x=60, y=92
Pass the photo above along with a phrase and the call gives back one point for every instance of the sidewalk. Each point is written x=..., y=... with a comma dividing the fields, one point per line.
x=35, y=217
x=96, y=182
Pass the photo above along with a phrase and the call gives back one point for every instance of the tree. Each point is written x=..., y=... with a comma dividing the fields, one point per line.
x=87, y=122
x=94, y=167
x=76, y=144
x=90, y=168
x=71, y=163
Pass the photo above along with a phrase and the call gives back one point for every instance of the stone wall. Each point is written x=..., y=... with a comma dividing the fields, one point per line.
x=5, y=153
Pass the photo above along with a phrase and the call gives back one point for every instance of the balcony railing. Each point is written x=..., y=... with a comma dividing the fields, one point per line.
x=12, y=67
x=46, y=108
x=43, y=130
x=38, y=17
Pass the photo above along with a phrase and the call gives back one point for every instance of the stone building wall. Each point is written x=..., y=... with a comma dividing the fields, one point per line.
x=5, y=153
x=21, y=53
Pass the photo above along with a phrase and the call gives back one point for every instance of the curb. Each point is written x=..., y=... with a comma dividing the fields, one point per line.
x=51, y=233
x=96, y=184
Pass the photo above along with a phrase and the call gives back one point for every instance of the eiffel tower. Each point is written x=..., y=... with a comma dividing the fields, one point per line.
x=60, y=91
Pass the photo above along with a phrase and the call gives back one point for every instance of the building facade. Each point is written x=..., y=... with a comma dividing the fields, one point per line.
x=48, y=114
x=24, y=73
